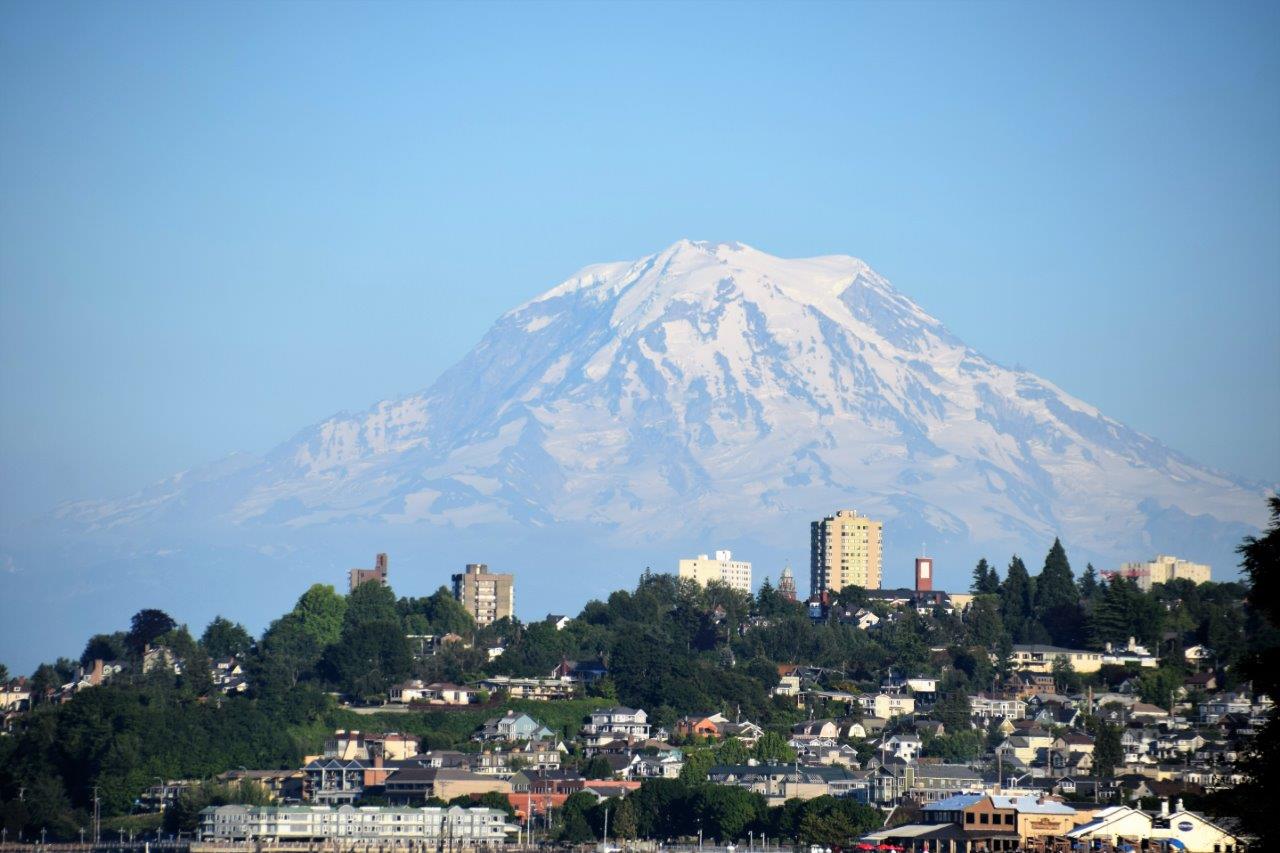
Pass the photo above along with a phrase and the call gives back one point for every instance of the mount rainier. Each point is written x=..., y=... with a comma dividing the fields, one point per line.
x=706, y=395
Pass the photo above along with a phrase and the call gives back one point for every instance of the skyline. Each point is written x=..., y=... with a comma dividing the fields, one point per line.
x=283, y=281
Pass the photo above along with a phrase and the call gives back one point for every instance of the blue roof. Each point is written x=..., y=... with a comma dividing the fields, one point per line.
x=954, y=803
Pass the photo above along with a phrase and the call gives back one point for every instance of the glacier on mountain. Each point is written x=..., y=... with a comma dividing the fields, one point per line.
x=710, y=392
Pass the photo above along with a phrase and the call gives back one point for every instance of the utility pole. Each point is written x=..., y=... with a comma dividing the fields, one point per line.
x=97, y=817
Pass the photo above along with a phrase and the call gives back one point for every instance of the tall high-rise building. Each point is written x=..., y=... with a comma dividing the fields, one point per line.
x=724, y=568
x=845, y=549
x=787, y=584
x=378, y=574
x=486, y=596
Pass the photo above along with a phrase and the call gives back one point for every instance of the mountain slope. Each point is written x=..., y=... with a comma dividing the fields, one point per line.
x=715, y=391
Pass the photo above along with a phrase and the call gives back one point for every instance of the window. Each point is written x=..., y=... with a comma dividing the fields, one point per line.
x=982, y=818
x=1009, y=818
x=968, y=817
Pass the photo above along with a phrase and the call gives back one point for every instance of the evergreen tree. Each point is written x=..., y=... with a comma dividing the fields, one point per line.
x=1057, y=604
x=1088, y=583
x=1108, y=751
x=1015, y=598
x=985, y=580
x=1056, y=585
x=1260, y=763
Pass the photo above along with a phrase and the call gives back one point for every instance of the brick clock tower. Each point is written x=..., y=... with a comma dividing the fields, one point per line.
x=924, y=574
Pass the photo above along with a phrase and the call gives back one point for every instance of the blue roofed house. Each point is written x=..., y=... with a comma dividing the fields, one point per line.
x=513, y=726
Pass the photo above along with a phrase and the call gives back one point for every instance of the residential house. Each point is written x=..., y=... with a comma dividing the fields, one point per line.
x=417, y=784
x=615, y=724
x=537, y=689
x=886, y=705
x=905, y=746
x=1041, y=658
x=985, y=707
x=513, y=726
x=780, y=782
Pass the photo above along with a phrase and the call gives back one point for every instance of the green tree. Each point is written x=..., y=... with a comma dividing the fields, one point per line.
x=370, y=603
x=953, y=711
x=320, y=612
x=1015, y=598
x=772, y=748
x=287, y=654
x=597, y=768
x=1089, y=582
x=1108, y=751
x=985, y=579
x=1260, y=762
x=732, y=751
x=1160, y=686
x=104, y=647
x=145, y=626
x=223, y=638
x=369, y=657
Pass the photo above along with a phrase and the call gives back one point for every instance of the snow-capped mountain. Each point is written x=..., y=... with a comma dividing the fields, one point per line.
x=718, y=392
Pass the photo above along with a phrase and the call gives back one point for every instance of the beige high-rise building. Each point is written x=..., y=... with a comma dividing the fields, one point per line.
x=845, y=549
x=1162, y=570
x=485, y=595
x=702, y=569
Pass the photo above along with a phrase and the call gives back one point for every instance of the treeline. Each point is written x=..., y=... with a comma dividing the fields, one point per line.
x=670, y=646
x=672, y=808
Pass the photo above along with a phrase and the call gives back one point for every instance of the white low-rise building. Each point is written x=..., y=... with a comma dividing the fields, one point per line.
x=370, y=824
x=723, y=568
x=1121, y=824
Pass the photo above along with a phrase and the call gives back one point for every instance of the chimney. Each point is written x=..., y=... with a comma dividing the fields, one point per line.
x=1180, y=804
x=96, y=678
x=1164, y=807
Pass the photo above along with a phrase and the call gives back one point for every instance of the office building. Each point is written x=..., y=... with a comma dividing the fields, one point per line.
x=486, y=596
x=723, y=568
x=845, y=549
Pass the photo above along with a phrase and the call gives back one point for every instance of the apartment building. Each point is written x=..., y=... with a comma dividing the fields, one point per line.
x=1162, y=569
x=378, y=574
x=368, y=824
x=487, y=596
x=703, y=569
x=845, y=549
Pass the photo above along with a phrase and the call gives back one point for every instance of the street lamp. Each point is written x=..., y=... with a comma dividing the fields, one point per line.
x=751, y=839
x=43, y=830
x=82, y=835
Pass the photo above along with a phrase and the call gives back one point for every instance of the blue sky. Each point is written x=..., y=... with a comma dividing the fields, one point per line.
x=220, y=223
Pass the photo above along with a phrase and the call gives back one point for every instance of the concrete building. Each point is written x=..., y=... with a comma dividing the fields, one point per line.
x=845, y=549
x=723, y=568
x=486, y=596
x=1161, y=570
x=378, y=574
x=365, y=825
x=787, y=584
